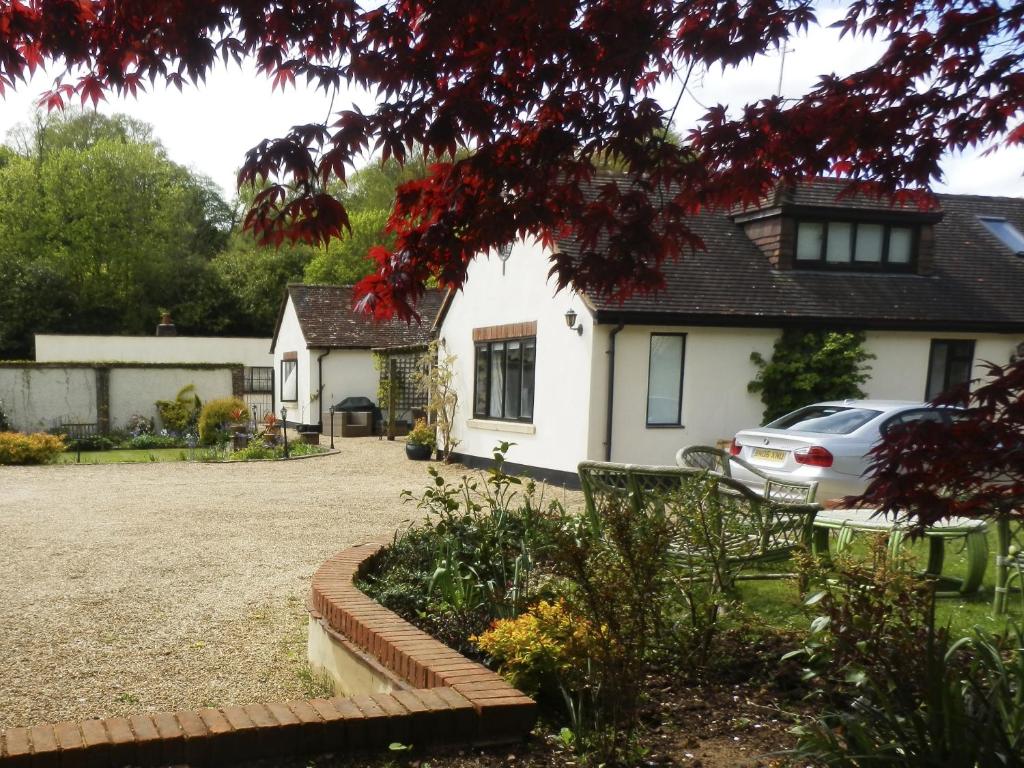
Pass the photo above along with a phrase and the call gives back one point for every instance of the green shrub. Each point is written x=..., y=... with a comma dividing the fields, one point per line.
x=38, y=448
x=90, y=443
x=216, y=415
x=144, y=442
x=256, y=450
x=807, y=367
x=180, y=414
x=873, y=614
x=473, y=559
x=966, y=710
x=422, y=434
x=301, y=449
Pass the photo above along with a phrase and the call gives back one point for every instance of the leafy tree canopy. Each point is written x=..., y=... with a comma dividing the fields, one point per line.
x=98, y=229
x=541, y=92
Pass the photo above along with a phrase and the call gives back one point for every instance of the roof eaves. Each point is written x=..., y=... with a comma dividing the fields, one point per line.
x=639, y=317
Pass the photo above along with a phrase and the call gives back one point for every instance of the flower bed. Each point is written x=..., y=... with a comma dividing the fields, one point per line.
x=591, y=613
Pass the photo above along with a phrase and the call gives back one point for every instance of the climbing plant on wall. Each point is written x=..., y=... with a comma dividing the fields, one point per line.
x=808, y=366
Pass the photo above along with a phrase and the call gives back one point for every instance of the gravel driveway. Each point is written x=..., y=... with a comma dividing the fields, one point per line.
x=165, y=586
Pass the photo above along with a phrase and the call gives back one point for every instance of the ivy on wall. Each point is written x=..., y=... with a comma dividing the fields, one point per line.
x=808, y=366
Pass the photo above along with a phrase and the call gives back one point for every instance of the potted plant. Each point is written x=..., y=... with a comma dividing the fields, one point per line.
x=419, y=444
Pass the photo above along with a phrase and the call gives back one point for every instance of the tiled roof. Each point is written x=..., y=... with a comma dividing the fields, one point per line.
x=976, y=282
x=327, y=320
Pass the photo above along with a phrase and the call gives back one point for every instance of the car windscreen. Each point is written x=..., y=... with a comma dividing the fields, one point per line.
x=825, y=419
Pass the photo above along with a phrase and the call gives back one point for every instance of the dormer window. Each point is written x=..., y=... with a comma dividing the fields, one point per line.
x=1008, y=234
x=855, y=245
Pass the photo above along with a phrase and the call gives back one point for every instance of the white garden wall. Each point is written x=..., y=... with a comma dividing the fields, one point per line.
x=43, y=396
x=135, y=390
x=82, y=348
x=37, y=399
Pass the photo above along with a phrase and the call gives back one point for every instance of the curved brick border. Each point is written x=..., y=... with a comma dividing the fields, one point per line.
x=453, y=701
x=502, y=712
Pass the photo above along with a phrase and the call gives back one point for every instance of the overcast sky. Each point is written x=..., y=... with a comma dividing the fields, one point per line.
x=209, y=128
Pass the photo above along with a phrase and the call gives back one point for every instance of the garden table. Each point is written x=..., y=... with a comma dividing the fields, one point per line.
x=974, y=533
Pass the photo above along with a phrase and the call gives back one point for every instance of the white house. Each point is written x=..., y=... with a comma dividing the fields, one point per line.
x=323, y=350
x=936, y=293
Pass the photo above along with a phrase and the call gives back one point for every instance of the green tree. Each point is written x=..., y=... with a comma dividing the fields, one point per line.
x=810, y=366
x=99, y=230
x=344, y=262
x=255, y=277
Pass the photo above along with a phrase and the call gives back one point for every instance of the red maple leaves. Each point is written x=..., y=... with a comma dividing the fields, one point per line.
x=971, y=467
x=541, y=94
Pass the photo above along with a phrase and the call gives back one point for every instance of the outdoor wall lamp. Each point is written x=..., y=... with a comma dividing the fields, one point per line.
x=570, y=321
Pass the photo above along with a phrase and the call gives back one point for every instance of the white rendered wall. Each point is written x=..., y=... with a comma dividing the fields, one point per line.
x=900, y=370
x=57, y=348
x=347, y=373
x=290, y=339
x=716, y=404
x=136, y=390
x=559, y=436
x=41, y=398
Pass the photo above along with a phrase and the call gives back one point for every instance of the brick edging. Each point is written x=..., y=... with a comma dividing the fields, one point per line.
x=453, y=701
x=503, y=713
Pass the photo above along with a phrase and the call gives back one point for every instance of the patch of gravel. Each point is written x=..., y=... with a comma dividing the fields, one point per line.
x=172, y=585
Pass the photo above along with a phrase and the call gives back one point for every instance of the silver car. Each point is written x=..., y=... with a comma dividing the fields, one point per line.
x=827, y=442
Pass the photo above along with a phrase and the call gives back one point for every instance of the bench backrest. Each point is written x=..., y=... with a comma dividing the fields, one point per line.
x=741, y=524
x=721, y=462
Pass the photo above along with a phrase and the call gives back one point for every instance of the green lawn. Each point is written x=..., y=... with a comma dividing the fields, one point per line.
x=119, y=456
x=779, y=603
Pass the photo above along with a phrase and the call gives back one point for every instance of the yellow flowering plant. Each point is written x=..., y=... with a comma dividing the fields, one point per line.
x=543, y=650
x=38, y=448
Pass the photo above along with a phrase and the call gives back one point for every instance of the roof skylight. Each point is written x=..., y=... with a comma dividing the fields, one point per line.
x=1008, y=234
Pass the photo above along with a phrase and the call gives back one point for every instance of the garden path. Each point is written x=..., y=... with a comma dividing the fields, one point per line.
x=128, y=587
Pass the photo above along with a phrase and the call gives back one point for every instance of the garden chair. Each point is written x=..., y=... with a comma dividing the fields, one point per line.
x=722, y=525
x=720, y=462
x=1009, y=562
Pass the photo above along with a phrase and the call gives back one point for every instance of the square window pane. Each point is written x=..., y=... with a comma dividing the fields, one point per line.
x=869, y=243
x=529, y=367
x=840, y=242
x=809, y=236
x=513, y=367
x=497, y=381
x=480, y=381
x=664, y=380
x=901, y=239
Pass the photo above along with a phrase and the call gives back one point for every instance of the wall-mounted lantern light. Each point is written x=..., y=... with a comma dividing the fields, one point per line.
x=570, y=321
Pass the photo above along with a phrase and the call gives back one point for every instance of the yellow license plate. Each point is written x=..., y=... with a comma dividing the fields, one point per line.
x=769, y=454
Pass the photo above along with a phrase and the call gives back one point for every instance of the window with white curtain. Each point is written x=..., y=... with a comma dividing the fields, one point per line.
x=665, y=380
x=289, y=381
